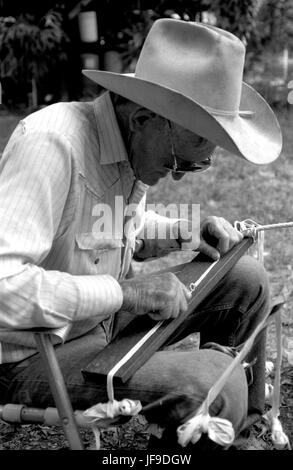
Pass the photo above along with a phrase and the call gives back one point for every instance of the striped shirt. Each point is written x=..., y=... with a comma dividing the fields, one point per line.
x=59, y=268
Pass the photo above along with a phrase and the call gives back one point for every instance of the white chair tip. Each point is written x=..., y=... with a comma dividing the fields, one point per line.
x=269, y=392
x=269, y=368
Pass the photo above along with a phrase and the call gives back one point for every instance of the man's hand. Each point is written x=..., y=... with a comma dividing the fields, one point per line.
x=218, y=236
x=187, y=235
x=162, y=296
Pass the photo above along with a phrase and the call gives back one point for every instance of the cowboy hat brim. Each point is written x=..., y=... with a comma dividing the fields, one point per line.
x=256, y=137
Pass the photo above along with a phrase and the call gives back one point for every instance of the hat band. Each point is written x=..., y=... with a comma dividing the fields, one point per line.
x=222, y=112
x=216, y=112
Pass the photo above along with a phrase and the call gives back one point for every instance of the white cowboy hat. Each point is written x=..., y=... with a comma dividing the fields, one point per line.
x=191, y=74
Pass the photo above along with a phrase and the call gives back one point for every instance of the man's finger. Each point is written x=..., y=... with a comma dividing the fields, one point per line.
x=208, y=250
x=186, y=292
x=183, y=300
x=169, y=311
x=224, y=241
x=218, y=231
x=226, y=234
x=234, y=234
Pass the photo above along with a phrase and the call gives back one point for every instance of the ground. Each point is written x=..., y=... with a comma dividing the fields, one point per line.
x=235, y=190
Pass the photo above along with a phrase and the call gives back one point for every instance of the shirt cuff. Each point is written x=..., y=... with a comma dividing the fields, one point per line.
x=99, y=296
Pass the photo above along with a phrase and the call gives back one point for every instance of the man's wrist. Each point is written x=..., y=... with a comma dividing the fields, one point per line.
x=128, y=294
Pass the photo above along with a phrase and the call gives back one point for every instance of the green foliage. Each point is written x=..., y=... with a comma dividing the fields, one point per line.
x=268, y=64
x=127, y=30
x=274, y=27
x=30, y=51
x=236, y=16
x=128, y=33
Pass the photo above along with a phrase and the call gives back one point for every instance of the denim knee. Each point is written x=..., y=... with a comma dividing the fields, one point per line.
x=248, y=280
x=188, y=382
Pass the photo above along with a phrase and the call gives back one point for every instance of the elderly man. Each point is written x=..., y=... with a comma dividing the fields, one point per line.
x=61, y=270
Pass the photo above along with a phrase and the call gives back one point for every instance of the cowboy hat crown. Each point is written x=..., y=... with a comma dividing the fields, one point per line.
x=191, y=73
x=202, y=63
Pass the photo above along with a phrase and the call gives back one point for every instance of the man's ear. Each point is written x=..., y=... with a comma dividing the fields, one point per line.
x=138, y=118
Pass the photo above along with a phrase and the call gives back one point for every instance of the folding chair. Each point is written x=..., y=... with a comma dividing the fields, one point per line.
x=63, y=413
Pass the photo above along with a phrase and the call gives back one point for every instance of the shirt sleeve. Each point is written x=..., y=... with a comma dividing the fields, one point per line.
x=35, y=174
x=158, y=235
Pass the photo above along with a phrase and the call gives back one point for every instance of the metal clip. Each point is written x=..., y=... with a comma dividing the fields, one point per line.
x=247, y=227
x=192, y=286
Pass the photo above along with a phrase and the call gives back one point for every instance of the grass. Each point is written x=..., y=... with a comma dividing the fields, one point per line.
x=236, y=190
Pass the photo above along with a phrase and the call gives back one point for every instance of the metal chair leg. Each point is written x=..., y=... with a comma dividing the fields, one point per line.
x=59, y=391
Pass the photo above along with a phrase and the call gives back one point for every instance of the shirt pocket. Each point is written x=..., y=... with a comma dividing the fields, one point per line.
x=97, y=254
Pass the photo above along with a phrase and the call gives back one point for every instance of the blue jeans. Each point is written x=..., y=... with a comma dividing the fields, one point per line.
x=228, y=316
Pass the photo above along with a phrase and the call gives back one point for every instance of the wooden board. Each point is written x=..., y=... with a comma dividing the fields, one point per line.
x=106, y=359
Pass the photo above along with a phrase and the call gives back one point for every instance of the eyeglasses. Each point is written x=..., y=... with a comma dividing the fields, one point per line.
x=183, y=166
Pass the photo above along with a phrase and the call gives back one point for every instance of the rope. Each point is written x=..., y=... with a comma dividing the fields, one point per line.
x=136, y=347
x=274, y=226
x=249, y=227
x=219, y=430
x=279, y=438
x=101, y=415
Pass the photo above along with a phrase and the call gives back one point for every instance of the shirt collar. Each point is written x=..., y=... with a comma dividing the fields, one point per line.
x=112, y=148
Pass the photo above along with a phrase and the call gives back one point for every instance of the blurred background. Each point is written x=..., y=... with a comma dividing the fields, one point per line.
x=44, y=45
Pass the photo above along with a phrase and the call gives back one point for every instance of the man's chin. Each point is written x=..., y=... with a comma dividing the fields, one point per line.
x=152, y=179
